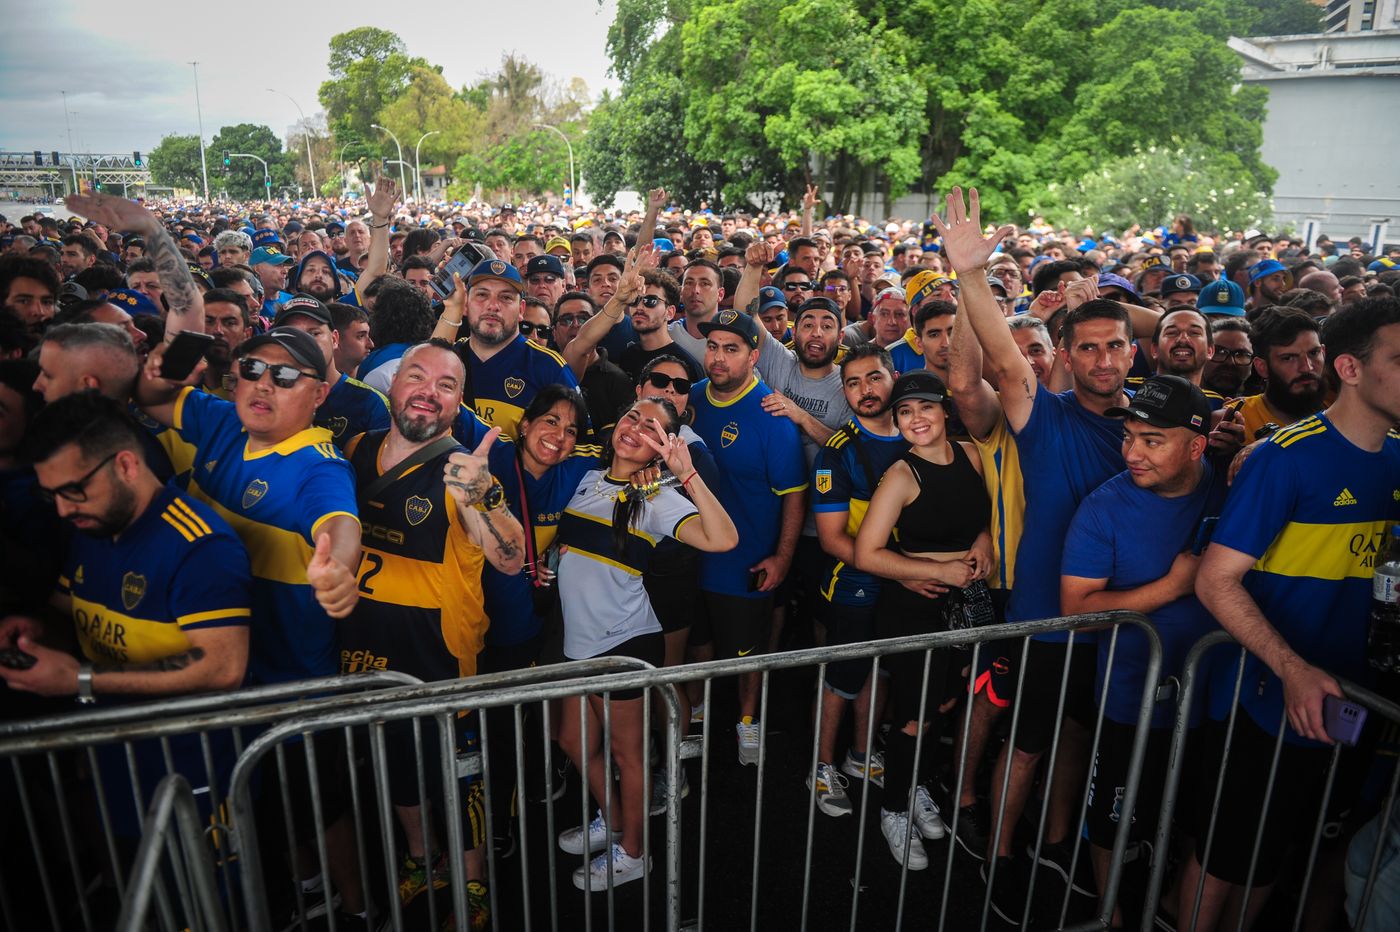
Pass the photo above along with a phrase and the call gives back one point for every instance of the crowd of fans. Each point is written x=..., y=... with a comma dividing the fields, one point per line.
x=451, y=440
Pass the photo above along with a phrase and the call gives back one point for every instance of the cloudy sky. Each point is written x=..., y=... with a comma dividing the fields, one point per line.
x=129, y=81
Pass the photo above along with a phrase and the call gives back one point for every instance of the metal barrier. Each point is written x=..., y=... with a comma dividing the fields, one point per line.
x=61, y=768
x=1192, y=683
x=190, y=866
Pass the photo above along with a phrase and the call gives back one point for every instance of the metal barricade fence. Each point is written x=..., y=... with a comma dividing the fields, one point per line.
x=81, y=783
x=1300, y=855
x=728, y=858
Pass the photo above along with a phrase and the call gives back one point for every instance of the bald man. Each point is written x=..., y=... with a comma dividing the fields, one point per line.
x=77, y=357
x=1324, y=283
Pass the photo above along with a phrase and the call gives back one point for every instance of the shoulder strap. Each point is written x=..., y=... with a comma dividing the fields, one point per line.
x=436, y=448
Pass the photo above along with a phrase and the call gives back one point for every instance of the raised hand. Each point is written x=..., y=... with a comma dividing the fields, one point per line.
x=759, y=254
x=964, y=246
x=382, y=199
x=468, y=475
x=331, y=580
x=657, y=198
x=672, y=450
x=115, y=213
x=631, y=285
x=810, y=199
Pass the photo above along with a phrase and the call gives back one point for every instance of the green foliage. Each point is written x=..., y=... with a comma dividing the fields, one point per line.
x=428, y=103
x=175, y=163
x=369, y=68
x=1154, y=184
x=531, y=163
x=244, y=177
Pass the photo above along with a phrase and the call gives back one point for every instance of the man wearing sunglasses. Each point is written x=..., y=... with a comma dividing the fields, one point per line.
x=351, y=407
x=606, y=388
x=545, y=279
x=650, y=312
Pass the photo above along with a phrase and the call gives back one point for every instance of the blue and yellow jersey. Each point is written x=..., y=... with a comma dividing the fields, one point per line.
x=1217, y=400
x=844, y=477
x=760, y=460
x=1001, y=469
x=908, y=353
x=275, y=500
x=505, y=384
x=179, y=567
x=420, y=610
x=1314, y=511
x=352, y=408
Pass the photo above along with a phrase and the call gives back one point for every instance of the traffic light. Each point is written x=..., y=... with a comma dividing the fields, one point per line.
x=227, y=161
x=137, y=156
x=384, y=165
x=55, y=158
x=38, y=158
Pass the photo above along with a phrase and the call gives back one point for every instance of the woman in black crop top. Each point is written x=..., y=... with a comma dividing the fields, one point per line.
x=926, y=533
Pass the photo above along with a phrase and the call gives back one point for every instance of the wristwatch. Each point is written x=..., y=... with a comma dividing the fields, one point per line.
x=494, y=498
x=85, y=696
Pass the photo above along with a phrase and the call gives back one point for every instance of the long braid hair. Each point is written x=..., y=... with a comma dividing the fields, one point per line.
x=629, y=505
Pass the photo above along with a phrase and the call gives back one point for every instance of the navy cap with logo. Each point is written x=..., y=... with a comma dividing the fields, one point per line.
x=923, y=385
x=335, y=228
x=498, y=269
x=1168, y=401
x=266, y=238
x=768, y=296
x=306, y=306
x=1180, y=283
x=546, y=264
x=734, y=322
x=299, y=344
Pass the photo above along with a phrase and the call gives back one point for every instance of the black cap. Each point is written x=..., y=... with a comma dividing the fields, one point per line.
x=1168, y=401
x=546, y=264
x=298, y=343
x=732, y=321
x=306, y=306
x=473, y=235
x=818, y=305
x=922, y=384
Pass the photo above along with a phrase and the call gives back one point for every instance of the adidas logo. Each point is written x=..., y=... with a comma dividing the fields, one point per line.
x=1344, y=497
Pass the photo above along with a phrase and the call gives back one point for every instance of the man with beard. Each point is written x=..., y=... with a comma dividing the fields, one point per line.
x=318, y=273
x=927, y=344
x=606, y=388
x=29, y=288
x=650, y=312
x=1232, y=359
x=1268, y=280
x=353, y=342
x=78, y=254
x=438, y=517
x=270, y=264
x=335, y=233
x=226, y=319
x=1289, y=357
x=1182, y=345
x=844, y=477
x=352, y=407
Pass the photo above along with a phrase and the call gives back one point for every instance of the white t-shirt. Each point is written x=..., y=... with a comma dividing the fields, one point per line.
x=601, y=590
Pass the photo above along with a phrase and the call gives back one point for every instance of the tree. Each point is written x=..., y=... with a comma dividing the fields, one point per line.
x=531, y=163
x=323, y=150
x=429, y=104
x=243, y=179
x=175, y=163
x=369, y=68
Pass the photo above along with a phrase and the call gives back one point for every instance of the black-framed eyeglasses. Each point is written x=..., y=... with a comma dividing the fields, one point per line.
x=647, y=301
x=75, y=491
x=1239, y=357
x=527, y=328
x=572, y=320
x=797, y=286
x=679, y=384
x=542, y=278
x=283, y=375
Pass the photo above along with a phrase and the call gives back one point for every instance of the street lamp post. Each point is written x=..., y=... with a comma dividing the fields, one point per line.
x=267, y=180
x=199, y=112
x=306, y=132
x=403, y=184
x=417, y=171
x=560, y=133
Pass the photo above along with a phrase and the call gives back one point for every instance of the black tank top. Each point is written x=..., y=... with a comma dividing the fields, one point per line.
x=952, y=507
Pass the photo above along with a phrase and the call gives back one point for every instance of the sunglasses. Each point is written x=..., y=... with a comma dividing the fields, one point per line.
x=679, y=384
x=797, y=286
x=527, y=328
x=542, y=279
x=572, y=320
x=75, y=491
x=647, y=301
x=283, y=376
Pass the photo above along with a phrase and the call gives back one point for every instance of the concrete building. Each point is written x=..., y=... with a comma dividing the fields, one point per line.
x=1360, y=15
x=1331, y=130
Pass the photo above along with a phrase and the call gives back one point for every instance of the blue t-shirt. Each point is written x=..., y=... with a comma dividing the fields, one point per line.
x=1314, y=510
x=275, y=500
x=352, y=408
x=505, y=384
x=907, y=353
x=760, y=460
x=1066, y=452
x=844, y=477
x=1130, y=536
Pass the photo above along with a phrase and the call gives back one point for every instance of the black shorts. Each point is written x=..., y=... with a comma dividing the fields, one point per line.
x=1293, y=804
x=736, y=626
x=403, y=756
x=332, y=788
x=1109, y=777
x=846, y=624
x=673, y=588
x=1040, y=696
x=649, y=648
x=997, y=660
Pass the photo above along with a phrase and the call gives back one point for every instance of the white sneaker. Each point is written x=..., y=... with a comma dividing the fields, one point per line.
x=898, y=833
x=927, y=818
x=831, y=791
x=571, y=840
x=625, y=868
x=697, y=714
x=748, y=743
x=873, y=769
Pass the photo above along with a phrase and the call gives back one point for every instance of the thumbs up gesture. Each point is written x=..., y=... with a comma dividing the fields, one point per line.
x=332, y=580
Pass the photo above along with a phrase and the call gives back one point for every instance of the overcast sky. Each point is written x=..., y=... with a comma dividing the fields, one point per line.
x=129, y=82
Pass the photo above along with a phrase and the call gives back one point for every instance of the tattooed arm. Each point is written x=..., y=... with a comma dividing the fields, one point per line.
x=118, y=213
x=498, y=534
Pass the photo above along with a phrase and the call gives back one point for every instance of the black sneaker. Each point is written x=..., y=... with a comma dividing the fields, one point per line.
x=1011, y=884
x=1056, y=857
x=972, y=831
x=353, y=923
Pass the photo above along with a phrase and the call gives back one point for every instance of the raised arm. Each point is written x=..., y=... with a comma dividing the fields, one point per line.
x=978, y=405
x=629, y=288
x=381, y=208
x=715, y=531
x=756, y=258
x=656, y=199
x=809, y=203
x=968, y=251
x=484, y=514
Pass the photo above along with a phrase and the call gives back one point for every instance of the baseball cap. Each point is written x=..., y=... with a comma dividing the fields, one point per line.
x=306, y=306
x=1154, y=263
x=922, y=284
x=1268, y=267
x=819, y=305
x=1109, y=280
x=768, y=296
x=1180, y=282
x=884, y=294
x=663, y=245
x=271, y=255
x=266, y=238
x=1168, y=401
x=1383, y=264
x=1223, y=298
x=922, y=384
x=299, y=344
x=334, y=228
x=497, y=269
x=134, y=303
x=732, y=321
x=995, y=282
x=559, y=242
x=545, y=264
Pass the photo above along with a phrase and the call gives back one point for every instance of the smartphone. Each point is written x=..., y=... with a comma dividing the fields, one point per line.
x=16, y=659
x=1343, y=720
x=1203, y=534
x=183, y=353
x=462, y=262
